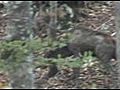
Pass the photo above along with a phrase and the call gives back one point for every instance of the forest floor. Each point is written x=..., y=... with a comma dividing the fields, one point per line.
x=100, y=17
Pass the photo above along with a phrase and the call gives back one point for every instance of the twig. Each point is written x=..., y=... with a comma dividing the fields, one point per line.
x=112, y=18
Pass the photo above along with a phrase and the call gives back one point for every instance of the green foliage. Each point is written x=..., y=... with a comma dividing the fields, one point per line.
x=88, y=58
x=45, y=44
x=14, y=53
x=68, y=61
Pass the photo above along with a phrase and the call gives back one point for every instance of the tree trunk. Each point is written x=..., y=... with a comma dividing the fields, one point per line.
x=117, y=20
x=20, y=23
x=51, y=32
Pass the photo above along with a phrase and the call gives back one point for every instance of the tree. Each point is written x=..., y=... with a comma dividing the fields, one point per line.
x=20, y=24
x=117, y=20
